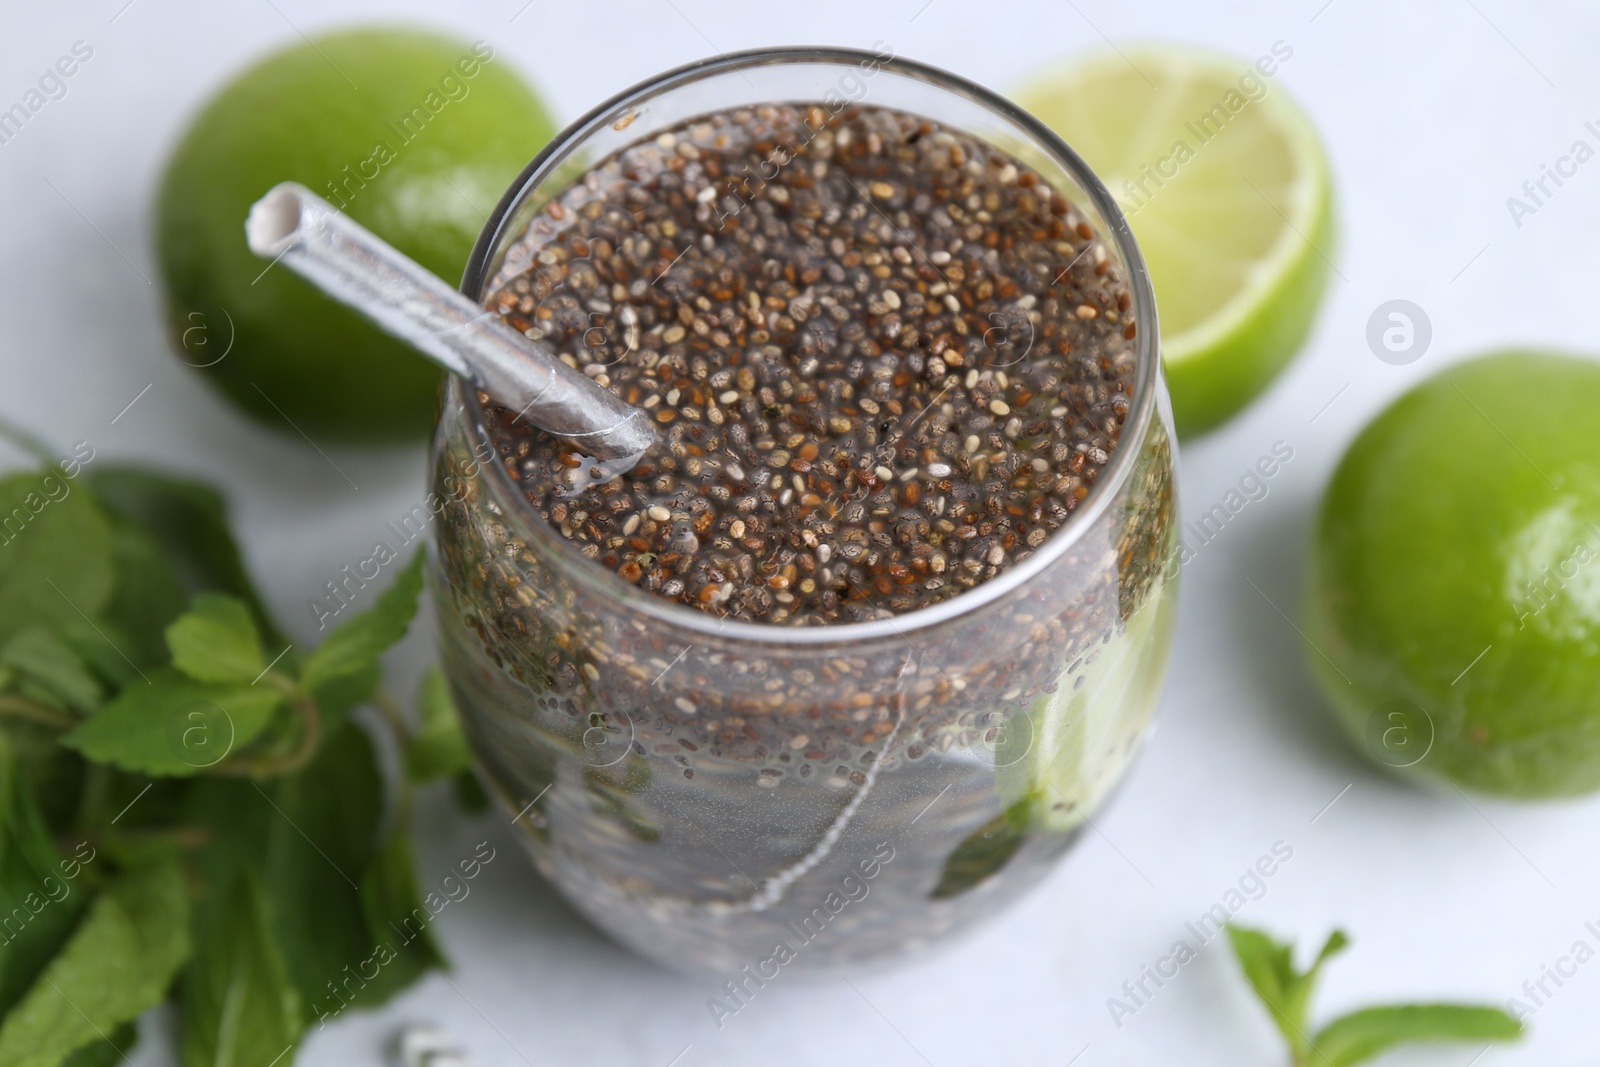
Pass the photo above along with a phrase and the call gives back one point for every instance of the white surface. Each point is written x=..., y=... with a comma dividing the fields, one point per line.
x=1432, y=116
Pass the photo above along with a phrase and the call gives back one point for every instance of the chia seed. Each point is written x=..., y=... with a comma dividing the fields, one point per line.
x=886, y=361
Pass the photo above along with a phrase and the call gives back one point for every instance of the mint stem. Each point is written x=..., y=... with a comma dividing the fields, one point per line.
x=22, y=708
x=310, y=716
x=395, y=719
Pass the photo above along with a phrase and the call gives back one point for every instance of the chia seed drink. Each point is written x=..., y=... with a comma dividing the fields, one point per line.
x=844, y=661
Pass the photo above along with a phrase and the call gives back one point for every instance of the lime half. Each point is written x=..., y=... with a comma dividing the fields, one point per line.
x=1056, y=763
x=1224, y=182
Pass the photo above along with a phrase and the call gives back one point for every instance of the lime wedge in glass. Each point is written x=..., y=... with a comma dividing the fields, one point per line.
x=1055, y=763
x=1224, y=182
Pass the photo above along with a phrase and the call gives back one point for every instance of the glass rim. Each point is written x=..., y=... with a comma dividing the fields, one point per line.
x=1142, y=403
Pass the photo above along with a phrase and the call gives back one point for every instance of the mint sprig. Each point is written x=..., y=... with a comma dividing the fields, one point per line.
x=1361, y=1035
x=231, y=838
x=210, y=711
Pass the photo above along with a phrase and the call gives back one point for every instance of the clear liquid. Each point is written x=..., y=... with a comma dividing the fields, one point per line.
x=706, y=862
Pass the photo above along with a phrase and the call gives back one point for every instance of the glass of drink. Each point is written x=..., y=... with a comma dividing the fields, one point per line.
x=847, y=660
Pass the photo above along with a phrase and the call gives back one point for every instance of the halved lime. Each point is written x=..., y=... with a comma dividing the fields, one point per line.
x=1224, y=183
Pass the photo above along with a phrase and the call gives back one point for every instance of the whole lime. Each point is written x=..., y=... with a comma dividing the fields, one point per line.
x=1454, y=603
x=415, y=136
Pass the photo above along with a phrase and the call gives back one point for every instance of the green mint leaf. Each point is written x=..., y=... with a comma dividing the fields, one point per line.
x=469, y=793
x=39, y=902
x=1337, y=942
x=338, y=696
x=55, y=779
x=1298, y=1004
x=357, y=644
x=147, y=595
x=1362, y=1035
x=235, y=816
x=321, y=835
x=439, y=748
x=609, y=792
x=628, y=777
x=117, y=963
x=111, y=1051
x=110, y=653
x=38, y=656
x=396, y=920
x=1268, y=966
x=174, y=725
x=239, y=1007
x=984, y=851
x=55, y=553
x=189, y=520
x=343, y=912
x=216, y=641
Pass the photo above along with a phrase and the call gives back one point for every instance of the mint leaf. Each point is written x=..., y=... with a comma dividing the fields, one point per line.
x=174, y=725
x=1268, y=965
x=239, y=1007
x=342, y=911
x=236, y=818
x=55, y=553
x=216, y=641
x=469, y=793
x=117, y=963
x=357, y=644
x=338, y=696
x=1361, y=1035
x=38, y=903
x=189, y=520
x=110, y=1051
x=39, y=657
x=1301, y=988
x=984, y=851
x=147, y=595
x=439, y=748
x=321, y=835
x=55, y=780
x=111, y=654
x=608, y=797
x=396, y=919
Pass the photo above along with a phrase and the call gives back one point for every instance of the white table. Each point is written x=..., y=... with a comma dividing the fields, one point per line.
x=1434, y=113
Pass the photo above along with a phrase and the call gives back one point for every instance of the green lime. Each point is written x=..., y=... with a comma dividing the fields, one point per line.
x=416, y=136
x=1224, y=183
x=1454, y=602
x=1055, y=764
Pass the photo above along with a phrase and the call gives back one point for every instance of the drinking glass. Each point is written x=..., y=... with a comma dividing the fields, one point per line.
x=752, y=799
